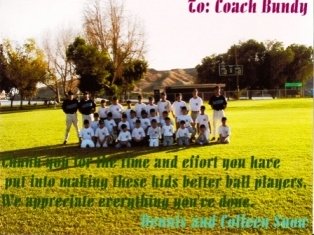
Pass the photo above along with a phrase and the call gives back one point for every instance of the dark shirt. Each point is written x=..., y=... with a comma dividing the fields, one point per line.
x=87, y=107
x=218, y=102
x=70, y=106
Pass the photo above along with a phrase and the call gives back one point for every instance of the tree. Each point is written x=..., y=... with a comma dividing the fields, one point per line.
x=5, y=83
x=107, y=28
x=26, y=67
x=92, y=66
x=250, y=55
x=301, y=67
x=207, y=71
x=277, y=58
x=61, y=70
x=133, y=71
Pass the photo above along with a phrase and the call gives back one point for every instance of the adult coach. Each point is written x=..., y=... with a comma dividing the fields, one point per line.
x=87, y=107
x=195, y=104
x=69, y=107
x=218, y=103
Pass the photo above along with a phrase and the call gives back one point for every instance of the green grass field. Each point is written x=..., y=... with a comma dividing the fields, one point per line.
x=280, y=129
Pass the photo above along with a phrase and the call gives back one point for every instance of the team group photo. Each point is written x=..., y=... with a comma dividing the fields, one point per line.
x=147, y=124
x=141, y=117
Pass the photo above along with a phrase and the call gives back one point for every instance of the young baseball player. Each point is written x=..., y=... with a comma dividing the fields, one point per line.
x=202, y=138
x=145, y=122
x=154, y=134
x=69, y=107
x=195, y=104
x=189, y=123
x=224, y=132
x=165, y=115
x=150, y=105
x=163, y=104
x=203, y=119
x=167, y=131
x=138, y=134
x=218, y=103
x=153, y=115
x=95, y=123
x=102, y=135
x=103, y=110
x=133, y=119
x=116, y=109
x=124, y=138
x=183, y=134
x=87, y=107
x=111, y=127
x=140, y=106
x=128, y=109
x=87, y=136
x=124, y=121
x=177, y=105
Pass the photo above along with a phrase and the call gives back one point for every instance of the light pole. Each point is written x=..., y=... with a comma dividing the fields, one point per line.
x=236, y=63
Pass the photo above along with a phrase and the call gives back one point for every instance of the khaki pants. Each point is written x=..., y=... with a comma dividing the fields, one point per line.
x=71, y=119
x=217, y=116
x=194, y=115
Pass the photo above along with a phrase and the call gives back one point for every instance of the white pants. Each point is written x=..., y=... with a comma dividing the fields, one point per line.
x=101, y=143
x=153, y=142
x=89, y=117
x=88, y=143
x=217, y=116
x=71, y=119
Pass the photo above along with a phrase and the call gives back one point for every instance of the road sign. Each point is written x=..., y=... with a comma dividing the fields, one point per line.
x=230, y=70
x=293, y=84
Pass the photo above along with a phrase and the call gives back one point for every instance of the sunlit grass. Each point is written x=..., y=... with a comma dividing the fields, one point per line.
x=265, y=129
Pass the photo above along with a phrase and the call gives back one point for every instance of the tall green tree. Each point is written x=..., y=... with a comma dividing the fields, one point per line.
x=5, y=83
x=300, y=69
x=250, y=55
x=133, y=71
x=92, y=65
x=26, y=67
x=208, y=70
x=276, y=59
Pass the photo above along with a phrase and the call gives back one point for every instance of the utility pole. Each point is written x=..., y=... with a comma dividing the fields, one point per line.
x=236, y=63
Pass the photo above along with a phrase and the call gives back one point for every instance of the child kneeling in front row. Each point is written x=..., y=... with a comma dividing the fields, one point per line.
x=167, y=131
x=154, y=133
x=183, y=134
x=102, y=135
x=138, y=134
x=224, y=132
x=203, y=135
x=124, y=137
x=87, y=136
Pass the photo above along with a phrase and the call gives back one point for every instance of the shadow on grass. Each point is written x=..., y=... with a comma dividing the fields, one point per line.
x=74, y=152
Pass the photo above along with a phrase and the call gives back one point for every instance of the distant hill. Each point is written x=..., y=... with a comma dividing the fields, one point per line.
x=155, y=79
